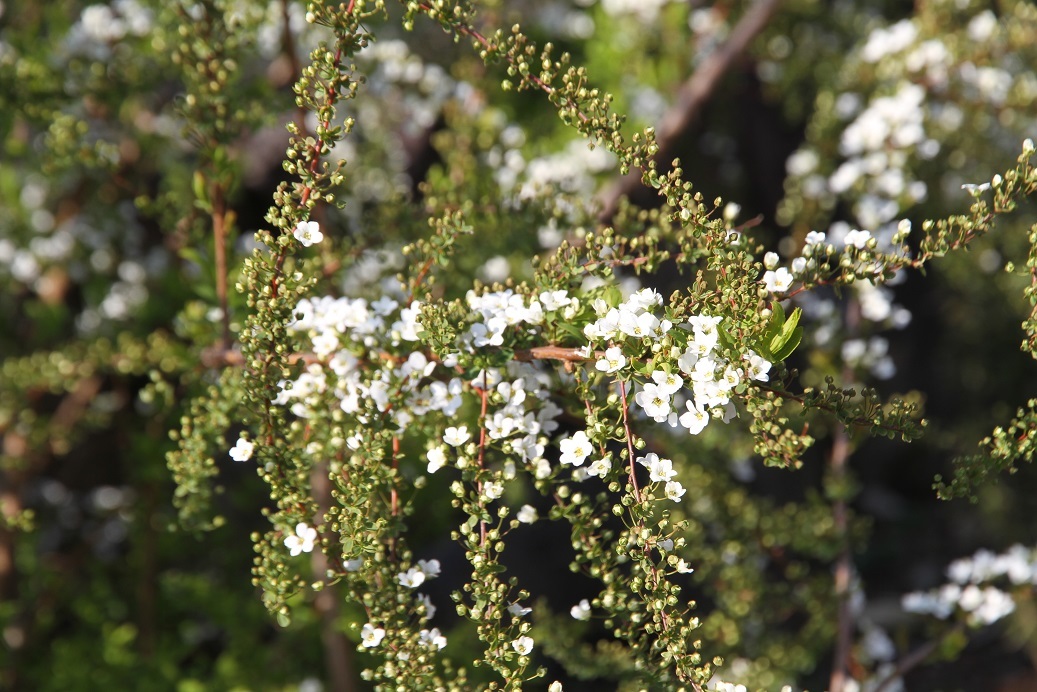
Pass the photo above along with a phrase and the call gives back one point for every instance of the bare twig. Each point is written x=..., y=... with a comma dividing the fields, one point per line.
x=838, y=464
x=338, y=652
x=916, y=658
x=693, y=96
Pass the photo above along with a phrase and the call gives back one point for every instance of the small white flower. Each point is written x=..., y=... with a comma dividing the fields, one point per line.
x=695, y=419
x=455, y=437
x=600, y=468
x=491, y=490
x=859, y=239
x=613, y=361
x=523, y=645
x=683, y=567
x=371, y=636
x=667, y=382
x=581, y=611
x=436, y=459
x=778, y=281
x=518, y=610
x=242, y=451
x=555, y=687
x=554, y=300
x=432, y=638
x=430, y=610
x=302, y=541
x=353, y=565
x=430, y=568
x=308, y=233
x=674, y=491
x=659, y=470
x=975, y=189
x=527, y=514
x=815, y=238
x=575, y=449
x=412, y=578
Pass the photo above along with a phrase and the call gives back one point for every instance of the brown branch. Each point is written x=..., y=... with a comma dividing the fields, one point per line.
x=630, y=442
x=917, y=657
x=692, y=98
x=844, y=566
x=838, y=468
x=220, y=215
x=338, y=652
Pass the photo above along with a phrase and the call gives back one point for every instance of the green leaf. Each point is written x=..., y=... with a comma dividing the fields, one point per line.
x=788, y=333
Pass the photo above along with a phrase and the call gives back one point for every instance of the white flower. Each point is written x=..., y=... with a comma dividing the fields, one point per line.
x=599, y=468
x=770, y=260
x=815, y=238
x=758, y=366
x=683, y=567
x=518, y=610
x=695, y=419
x=371, y=636
x=432, y=638
x=302, y=541
x=581, y=611
x=575, y=449
x=491, y=490
x=308, y=233
x=659, y=470
x=655, y=401
x=436, y=459
x=430, y=568
x=778, y=281
x=523, y=645
x=430, y=610
x=613, y=361
x=555, y=687
x=456, y=437
x=353, y=565
x=645, y=325
x=242, y=451
x=973, y=188
x=527, y=514
x=859, y=239
x=668, y=382
x=674, y=491
x=554, y=300
x=412, y=578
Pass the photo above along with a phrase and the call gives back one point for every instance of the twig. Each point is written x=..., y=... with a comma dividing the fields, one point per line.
x=630, y=440
x=838, y=468
x=338, y=652
x=916, y=658
x=843, y=566
x=693, y=96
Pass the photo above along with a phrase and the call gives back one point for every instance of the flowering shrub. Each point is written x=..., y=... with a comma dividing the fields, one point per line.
x=387, y=357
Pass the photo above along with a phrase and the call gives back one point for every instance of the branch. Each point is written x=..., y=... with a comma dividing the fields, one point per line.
x=693, y=96
x=917, y=657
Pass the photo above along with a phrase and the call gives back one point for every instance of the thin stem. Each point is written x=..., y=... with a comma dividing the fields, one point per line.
x=630, y=440
x=917, y=657
x=482, y=453
x=838, y=464
x=843, y=566
x=219, y=234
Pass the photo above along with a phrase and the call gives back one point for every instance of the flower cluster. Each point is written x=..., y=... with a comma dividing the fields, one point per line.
x=970, y=589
